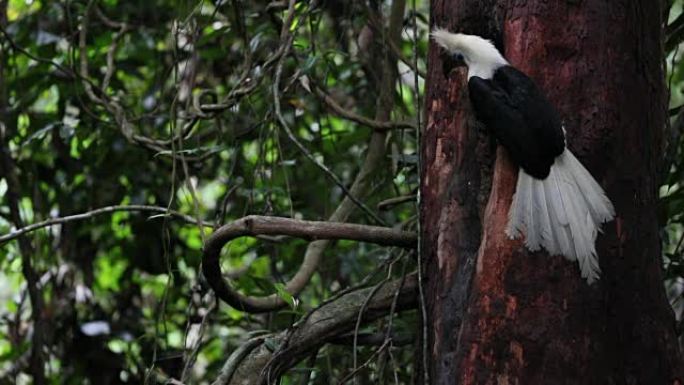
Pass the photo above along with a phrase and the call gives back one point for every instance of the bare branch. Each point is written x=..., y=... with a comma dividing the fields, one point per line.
x=413, y=65
x=419, y=257
x=362, y=120
x=66, y=71
x=374, y=339
x=263, y=225
x=91, y=214
x=354, y=371
x=107, y=21
x=674, y=33
x=387, y=204
x=110, y=56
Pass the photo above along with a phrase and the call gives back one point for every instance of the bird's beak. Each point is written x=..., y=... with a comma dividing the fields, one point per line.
x=450, y=62
x=459, y=60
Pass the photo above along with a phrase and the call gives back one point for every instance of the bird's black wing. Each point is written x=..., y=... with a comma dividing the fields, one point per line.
x=520, y=117
x=539, y=112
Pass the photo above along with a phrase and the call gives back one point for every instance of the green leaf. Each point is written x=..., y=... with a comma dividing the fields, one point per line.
x=285, y=295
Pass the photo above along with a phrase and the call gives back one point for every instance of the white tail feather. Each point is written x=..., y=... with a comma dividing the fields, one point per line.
x=562, y=213
x=531, y=218
x=544, y=219
x=558, y=218
x=515, y=217
x=599, y=205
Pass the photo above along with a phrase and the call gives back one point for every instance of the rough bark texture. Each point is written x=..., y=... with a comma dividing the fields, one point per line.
x=499, y=314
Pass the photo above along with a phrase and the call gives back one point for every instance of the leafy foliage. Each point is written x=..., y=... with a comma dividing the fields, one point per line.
x=196, y=131
x=171, y=104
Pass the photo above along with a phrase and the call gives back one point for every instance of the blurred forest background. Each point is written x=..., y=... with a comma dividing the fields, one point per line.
x=130, y=131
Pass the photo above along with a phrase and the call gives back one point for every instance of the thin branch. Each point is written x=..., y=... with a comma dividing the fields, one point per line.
x=263, y=225
x=387, y=204
x=354, y=117
x=109, y=72
x=64, y=70
x=236, y=358
x=91, y=214
x=413, y=65
x=353, y=373
x=107, y=21
x=419, y=251
x=674, y=133
x=83, y=55
x=359, y=318
x=322, y=166
x=375, y=339
x=190, y=361
x=674, y=33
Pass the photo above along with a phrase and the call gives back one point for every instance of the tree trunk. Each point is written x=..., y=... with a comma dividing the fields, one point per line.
x=497, y=313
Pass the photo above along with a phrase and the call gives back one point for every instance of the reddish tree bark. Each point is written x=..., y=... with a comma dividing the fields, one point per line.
x=498, y=314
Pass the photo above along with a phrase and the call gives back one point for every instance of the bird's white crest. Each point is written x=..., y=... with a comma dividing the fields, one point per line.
x=479, y=54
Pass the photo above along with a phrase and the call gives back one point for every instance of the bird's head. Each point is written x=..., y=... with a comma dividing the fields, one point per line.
x=479, y=54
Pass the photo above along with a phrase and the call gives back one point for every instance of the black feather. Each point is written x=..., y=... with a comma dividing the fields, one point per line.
x=520, y=117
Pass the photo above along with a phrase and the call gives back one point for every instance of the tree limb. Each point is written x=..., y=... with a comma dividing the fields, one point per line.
x=324, y=324
x=412, y=65
x=674, y=33
x=91, y=214
x=263, y=225
x=388, y=204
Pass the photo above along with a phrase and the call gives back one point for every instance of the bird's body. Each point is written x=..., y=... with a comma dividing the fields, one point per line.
x=520, y=117
x=557, y=204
